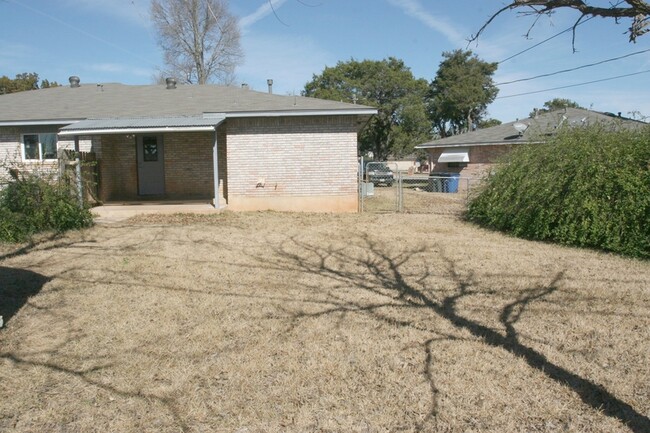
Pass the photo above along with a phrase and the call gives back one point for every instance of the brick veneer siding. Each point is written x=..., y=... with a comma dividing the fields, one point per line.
x=11, y=148
x=188, y=165
x=118, y=176
x=293, y=163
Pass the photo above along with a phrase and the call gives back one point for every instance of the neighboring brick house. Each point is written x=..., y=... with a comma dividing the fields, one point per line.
x=473, y=154
x=238, y=148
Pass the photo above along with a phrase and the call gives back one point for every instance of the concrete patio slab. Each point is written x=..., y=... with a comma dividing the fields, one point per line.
x=119, y=211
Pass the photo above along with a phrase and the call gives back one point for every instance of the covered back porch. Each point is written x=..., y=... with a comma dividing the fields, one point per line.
x=151, y=161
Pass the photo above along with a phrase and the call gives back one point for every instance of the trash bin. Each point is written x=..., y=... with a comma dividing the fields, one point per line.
x=436, y=182
x=451, y=183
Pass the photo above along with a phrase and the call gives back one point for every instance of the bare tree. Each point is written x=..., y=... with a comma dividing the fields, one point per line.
x=200, y=39
x=637, y=10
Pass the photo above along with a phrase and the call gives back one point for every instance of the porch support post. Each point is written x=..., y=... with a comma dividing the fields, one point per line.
x=215, y=163
x=77, y=161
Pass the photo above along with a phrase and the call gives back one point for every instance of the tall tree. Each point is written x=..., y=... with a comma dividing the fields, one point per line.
x=199, y=38
x=636, y=10
x=388, y=85
x=460, y=93
x=22, y=82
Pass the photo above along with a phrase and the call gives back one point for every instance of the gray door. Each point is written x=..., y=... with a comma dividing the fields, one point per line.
x=151, y=165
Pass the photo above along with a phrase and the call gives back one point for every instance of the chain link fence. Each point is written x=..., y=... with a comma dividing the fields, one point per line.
x=385, y=189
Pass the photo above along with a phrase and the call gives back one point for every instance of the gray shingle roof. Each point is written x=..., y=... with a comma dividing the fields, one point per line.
x=113, y=100
x=538, y=128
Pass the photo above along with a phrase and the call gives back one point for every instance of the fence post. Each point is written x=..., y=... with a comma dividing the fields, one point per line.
x=77, y=161
x=400, y=192
x=360, y=182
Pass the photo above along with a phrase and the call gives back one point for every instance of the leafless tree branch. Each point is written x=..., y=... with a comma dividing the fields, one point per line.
x=637, y=10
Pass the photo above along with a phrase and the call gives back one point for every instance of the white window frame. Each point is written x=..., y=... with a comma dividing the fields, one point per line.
x=40, y=147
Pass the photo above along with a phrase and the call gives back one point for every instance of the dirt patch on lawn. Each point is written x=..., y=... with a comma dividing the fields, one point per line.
x=265, y=322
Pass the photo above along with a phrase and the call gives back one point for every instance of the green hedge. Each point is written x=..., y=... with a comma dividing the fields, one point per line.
x=31, y=203
x=588, y=187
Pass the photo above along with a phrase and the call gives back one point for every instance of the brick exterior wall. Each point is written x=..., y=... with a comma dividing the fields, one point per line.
x=293, y=163
x=11, y=148
x=118, y=176
x=188, y=165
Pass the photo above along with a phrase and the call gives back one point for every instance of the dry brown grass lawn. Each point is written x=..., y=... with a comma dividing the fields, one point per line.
x=269, y=322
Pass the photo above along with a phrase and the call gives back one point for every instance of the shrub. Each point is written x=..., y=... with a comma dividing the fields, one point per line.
x=587, y=187
x=33, y=203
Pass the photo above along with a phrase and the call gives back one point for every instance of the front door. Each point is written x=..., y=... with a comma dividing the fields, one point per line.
x=151, y=165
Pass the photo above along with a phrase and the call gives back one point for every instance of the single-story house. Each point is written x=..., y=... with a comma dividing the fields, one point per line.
x=236, y=147
x=473, y=154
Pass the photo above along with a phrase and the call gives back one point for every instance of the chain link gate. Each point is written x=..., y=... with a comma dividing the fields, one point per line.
x=435, y=193
x=379, y=187
x=383, y=188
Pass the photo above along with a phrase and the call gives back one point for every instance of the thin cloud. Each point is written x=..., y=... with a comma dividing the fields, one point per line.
x=262, y=12
x=414, y=9
x=135, y=12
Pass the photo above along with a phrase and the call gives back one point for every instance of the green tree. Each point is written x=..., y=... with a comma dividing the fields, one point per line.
x=23, y=82
x=460, y=92
x=488, y=123
x=555, y=104
x=388, y=85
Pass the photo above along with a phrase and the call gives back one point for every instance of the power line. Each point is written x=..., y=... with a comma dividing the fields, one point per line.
x=90, y=35
x=545, y=40
x=574, y=85
x=572, y=69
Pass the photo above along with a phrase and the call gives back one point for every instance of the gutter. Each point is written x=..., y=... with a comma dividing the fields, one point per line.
x=137, y=130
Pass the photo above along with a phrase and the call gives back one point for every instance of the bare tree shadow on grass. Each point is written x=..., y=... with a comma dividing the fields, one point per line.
x=16, y=287
x=380, y=272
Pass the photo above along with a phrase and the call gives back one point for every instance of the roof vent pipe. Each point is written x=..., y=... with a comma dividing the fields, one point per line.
x=74, y=81
x=244, y=86
x=270, y=83
x=171, y=83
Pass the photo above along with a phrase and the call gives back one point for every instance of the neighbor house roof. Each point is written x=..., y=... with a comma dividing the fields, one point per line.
x=532, y=129
x=104, y=101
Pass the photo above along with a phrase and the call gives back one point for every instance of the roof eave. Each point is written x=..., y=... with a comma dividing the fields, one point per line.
x=43, y=122
x=484, y=143
x=135, y=130
x=297, y=113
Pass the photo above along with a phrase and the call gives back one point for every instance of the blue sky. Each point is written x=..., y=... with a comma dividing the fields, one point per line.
x=112, y=41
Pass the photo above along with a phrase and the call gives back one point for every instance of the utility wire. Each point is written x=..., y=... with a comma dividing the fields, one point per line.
x=574, y=85
x=90, y=35
x=545, y=40
x=550, y=74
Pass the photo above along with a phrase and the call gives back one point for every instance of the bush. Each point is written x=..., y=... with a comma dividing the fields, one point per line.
x=587, y=187
x=33, y=203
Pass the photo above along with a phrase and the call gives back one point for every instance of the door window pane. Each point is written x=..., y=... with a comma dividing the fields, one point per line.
x=30, y=143
x=150, y=149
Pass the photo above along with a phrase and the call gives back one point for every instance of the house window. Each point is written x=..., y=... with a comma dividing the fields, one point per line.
x=39, y=147
x=456, y=164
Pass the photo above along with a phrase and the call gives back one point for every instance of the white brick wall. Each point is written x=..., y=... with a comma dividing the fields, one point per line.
x=314, y=156
x=11, y=149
